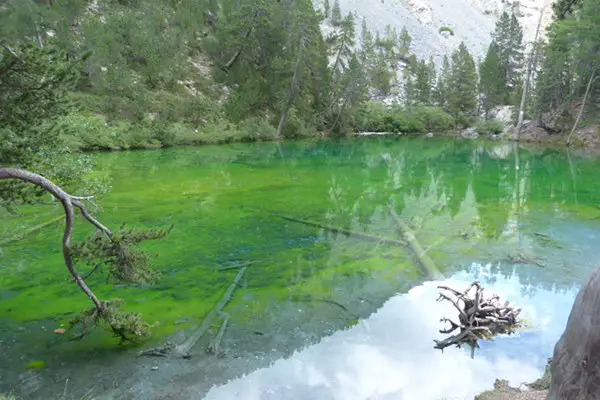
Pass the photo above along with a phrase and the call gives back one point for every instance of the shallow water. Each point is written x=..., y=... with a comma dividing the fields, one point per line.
x=466, y=202
x=390, y=355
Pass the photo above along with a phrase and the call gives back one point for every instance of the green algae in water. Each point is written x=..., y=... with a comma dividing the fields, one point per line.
x=441, y=187
x=35, y=364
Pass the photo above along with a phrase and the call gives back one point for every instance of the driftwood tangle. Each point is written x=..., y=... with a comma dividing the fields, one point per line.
x=479, y=317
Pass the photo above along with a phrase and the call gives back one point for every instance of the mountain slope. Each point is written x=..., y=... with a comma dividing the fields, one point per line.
x=472, y=21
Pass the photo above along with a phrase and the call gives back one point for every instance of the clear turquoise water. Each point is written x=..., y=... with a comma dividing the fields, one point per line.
x=465, y=202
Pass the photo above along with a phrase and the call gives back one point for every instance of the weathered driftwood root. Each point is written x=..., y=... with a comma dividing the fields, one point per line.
x=428, y=267
x=184, y=349
x=479, y=317
x=335, y=229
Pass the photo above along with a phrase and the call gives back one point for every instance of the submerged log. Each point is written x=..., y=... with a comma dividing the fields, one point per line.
x=335, y=229
x=29, y=231
x=185, y=348
x=575, y=367
x=479, y=317
x=428, y=267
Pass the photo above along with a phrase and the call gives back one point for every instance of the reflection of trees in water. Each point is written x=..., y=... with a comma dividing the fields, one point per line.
x=507, y=182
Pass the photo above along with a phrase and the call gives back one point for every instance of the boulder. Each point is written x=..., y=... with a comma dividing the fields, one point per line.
x=558, y=120
x=469, y=133
x=575, y=368
x=503, y=114
x=532, y=132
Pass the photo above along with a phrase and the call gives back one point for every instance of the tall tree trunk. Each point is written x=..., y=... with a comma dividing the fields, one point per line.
x=293, y=89
x=339, y=115
x=237, y=54
x=532, y=56
x=587, y=92
x=575, y=367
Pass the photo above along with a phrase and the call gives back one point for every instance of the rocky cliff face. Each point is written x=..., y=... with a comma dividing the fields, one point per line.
x=471, y=21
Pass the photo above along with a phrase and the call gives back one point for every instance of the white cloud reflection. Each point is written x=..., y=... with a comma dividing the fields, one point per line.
x=390, y=355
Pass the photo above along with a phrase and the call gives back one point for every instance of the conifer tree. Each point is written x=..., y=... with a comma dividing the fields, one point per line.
x=336, y=13
x=491, y=86
x=508, y=37
x=440, y=95
x=462, y=89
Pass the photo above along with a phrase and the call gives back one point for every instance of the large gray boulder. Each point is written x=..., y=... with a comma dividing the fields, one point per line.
x=575, y=367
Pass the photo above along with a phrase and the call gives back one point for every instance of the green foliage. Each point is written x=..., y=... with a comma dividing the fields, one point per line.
x=508, y=41
x=489, y=127
x=434, y=119
x=336, y=13
x=442, y=86
x=326, y=8
x=462, y=87
x=124, y=262
x=491, y=85
x=257, y=128
x=420, y=82
x=128, y=326
x=377, y=117
x=446, y=29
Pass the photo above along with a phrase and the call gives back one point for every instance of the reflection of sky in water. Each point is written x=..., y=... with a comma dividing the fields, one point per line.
x=390, y=355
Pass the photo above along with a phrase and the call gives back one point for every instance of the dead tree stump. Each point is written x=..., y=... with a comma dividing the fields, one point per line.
x=575, y=367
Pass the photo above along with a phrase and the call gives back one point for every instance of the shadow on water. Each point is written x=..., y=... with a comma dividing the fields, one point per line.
x=532, y=214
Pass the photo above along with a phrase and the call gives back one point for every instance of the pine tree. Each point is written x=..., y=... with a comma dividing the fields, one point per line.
x=326, y=8
x=490, y=79
x=336, y=13
x=440, y=95
x=462, y=90
x=419, y=82
x=404, y=41
x=508, y=37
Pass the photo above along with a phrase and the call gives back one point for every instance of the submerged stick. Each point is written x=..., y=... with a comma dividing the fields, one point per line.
x=184, y=349
x=335, y=229
x=241, y=265
x=31, y=230
x=215, y=346
x=428, y=267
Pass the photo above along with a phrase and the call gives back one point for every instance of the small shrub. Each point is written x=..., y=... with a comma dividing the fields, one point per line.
x=489, y=127
x=295, y=127
x=433, y=119
x=257, y=128
x=377, y=117
x=446, y=29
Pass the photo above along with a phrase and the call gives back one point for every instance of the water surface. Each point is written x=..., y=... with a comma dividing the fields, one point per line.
x=468, y=203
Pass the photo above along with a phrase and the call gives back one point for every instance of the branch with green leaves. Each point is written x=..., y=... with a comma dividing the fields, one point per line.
x=115, y=250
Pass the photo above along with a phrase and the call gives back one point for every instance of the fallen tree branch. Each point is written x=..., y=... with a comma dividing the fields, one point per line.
x=124, y=325
x=428, y=267
x=334, y=229
x=480, y=317
x=67, y=203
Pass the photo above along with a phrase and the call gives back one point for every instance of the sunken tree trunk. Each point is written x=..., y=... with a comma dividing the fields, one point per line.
x=575, y=368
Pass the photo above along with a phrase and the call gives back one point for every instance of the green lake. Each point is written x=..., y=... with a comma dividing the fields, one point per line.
x=529, y=211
